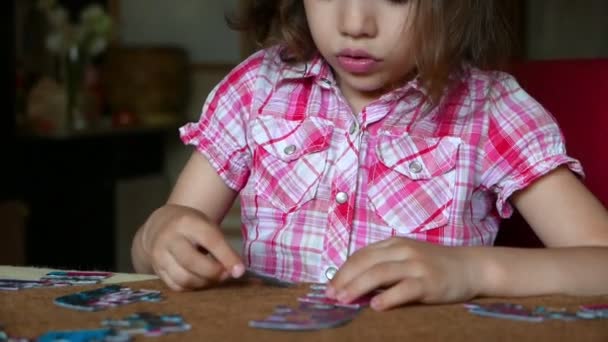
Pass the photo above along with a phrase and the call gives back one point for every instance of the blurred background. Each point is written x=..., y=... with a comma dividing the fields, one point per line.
x=97, y=89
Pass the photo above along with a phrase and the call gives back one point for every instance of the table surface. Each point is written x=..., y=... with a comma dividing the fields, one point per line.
x=223, y=313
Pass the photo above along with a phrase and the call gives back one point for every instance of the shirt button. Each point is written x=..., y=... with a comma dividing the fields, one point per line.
x=289, y=150
x=341, y=197
x=326, y=83
x=415, y=167
x=353, y=128
x=330, y=273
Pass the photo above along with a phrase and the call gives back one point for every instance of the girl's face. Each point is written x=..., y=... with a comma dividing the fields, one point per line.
x=367, y=42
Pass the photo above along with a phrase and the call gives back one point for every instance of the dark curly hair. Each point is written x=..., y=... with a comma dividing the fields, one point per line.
x=449, y=33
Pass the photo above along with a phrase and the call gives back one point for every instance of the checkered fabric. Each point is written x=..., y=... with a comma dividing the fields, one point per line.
x=317, y=182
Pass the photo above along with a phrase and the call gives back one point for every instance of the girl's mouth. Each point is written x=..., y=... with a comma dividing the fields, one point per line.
x=357, y=61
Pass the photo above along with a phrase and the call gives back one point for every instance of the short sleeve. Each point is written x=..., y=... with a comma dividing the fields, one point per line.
x=524, y=143
x=220, y=133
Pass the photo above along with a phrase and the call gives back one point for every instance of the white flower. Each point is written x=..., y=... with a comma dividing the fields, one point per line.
x=98, y=45
x=58, y=18
x=74, y=54
x=90, y=35
x=103, y=26
x=55, y=42
x=94, y=20
x=92, y=13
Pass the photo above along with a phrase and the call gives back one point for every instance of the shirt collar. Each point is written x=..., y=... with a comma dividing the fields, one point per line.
x=318, y=68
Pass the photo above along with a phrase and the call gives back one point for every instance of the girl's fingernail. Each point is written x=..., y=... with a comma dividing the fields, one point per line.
x=376, y=304
x=237, y=271
x=225, y=275
x=342, y=296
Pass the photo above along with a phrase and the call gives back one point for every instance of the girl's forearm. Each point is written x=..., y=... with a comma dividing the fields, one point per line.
x=512, y=272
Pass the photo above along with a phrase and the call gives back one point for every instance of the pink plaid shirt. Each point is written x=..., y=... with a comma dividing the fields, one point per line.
x=318, y=182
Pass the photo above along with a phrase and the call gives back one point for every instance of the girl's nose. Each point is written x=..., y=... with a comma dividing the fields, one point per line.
x=357, y=19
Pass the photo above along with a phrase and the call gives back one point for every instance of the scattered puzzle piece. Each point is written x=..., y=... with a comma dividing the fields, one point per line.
x=106, y=297
x=148, y=324
x=308, y=316
x=538, y=314
x=88, y=335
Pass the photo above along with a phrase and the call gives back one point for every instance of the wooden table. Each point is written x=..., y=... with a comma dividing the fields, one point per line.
x=222, y=314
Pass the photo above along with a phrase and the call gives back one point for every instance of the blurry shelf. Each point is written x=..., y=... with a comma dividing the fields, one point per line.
x=69, y=182
x=100, y=131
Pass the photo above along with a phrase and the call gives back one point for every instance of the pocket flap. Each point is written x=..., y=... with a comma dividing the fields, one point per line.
x=418, y=157
x=288, y=140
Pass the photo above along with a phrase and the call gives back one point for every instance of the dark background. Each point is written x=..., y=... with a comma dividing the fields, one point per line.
x=68, y=184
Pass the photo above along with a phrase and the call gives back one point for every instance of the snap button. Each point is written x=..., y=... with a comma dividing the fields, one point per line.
x=289, y=150
x=330, y=273
x=341, y=197
x=415, y=167
x=325, y=83
x=353, y=128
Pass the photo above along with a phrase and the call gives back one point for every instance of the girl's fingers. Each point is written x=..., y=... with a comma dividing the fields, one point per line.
x=405, y=291
x=379, y=275
x=363, y=260
x=211, y=239
x=164, y=276
x=181, y=277
x=189, y=257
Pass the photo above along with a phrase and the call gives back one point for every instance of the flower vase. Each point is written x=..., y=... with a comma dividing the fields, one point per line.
x=75, y=64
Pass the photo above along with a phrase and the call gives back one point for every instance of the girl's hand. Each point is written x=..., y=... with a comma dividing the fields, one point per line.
x=187, y=250
x=411, y=271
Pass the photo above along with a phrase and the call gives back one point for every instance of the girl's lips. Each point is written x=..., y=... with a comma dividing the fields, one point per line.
x=357, y=65
x=357, y=61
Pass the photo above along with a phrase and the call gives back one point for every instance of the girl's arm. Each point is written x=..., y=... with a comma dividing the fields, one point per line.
x=194, y=210
x=572, y=223
x=199, y=187
x=566, y=216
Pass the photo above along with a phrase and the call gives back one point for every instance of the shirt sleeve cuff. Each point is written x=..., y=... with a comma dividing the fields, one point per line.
x=529, y=176
x=230, y=169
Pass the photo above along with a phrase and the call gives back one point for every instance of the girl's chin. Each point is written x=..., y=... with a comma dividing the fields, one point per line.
x=374, y=90
x=364, y=84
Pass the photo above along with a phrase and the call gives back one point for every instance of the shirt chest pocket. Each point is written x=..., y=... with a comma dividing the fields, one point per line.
x=289, y=158
x=412, y=181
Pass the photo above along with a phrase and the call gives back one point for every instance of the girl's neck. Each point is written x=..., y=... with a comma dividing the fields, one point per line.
x=357, y=100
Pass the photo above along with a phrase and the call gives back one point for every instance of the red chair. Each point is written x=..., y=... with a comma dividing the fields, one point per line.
x=576, y=93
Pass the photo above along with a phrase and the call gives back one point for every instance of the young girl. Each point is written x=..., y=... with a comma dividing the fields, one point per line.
x=371, y=149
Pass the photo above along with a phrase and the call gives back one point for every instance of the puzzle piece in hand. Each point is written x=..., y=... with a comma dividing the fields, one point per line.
x=308, y=316
x=76, y=278
x=504, y=310
x=264, y=279
x=101, y=335
x=148, y=324
x=317, y=295
x=105, y=297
